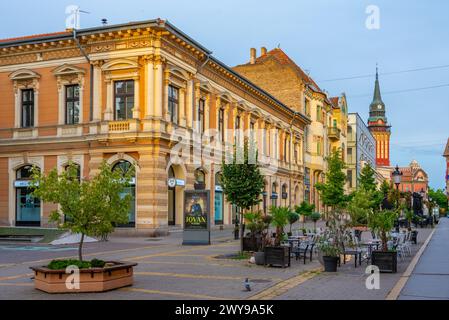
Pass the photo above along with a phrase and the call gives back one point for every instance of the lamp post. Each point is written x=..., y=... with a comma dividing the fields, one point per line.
x=397, y=177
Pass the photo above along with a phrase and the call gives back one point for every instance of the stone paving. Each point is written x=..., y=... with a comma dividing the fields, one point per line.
x=168, y=270
x=430, y=278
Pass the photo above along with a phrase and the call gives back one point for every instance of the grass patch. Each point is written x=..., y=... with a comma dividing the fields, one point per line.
x=63, y=264
x=241, y=256
x=48, y=234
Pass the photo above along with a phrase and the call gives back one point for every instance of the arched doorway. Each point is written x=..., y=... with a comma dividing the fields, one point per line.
x=28, y=208
x=219, y=200
x=125, y=167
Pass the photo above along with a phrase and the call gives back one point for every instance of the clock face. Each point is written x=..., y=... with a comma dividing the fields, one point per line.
x=379, y=107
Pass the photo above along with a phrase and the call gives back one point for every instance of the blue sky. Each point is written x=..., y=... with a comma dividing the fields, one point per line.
x=326, y=37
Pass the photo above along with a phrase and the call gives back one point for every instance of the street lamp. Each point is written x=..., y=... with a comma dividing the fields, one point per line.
x=397, y=177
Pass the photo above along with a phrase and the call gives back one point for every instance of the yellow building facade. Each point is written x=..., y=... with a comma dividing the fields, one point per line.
x=134, y=95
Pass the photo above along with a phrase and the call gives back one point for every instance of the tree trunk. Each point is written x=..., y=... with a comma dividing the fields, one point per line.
x=80, y=248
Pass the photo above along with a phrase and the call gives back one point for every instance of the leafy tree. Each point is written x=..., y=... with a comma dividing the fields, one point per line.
x=382, y=222
x=242, y=180
x=305, y=210
x=91, y=207
x=367, y=178
x=333, y=190
x=316, y=216
x=292, y=218
x=361, y=206
x=439, y=197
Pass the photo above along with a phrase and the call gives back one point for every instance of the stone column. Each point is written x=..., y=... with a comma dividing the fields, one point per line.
x=182, y=108
x=158, y=89
x=136, y=109
x=190, y=105
x=97, y=91
x=150, y=89
x=109, y=113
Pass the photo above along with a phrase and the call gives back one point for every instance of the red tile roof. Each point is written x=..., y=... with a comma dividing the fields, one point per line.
x=35, y=36
x=284, y=59
x=335, y=101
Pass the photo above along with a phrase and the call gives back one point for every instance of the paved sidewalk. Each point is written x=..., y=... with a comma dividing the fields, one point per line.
x=430, y=278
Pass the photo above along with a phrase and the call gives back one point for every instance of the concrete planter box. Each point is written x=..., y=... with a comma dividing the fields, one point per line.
x=113, y=276
x=386, y=261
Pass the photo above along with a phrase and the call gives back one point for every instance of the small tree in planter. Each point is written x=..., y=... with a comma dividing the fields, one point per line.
x=277, y=254
x=293, y=217
x=305, y=209
x=242, y=180
x=91, y=208
x=255, y=225
x=316, y=216
x=382, y=223
x=330, y=251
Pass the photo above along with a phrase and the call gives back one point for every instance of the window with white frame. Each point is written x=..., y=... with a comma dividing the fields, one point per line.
x=124, y=99
x=72, y=104
x=27, y=110
x=173, y=103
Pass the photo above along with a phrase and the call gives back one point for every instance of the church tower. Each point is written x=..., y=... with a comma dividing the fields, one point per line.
x=378, y=125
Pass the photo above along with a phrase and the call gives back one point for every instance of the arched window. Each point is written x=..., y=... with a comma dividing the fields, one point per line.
x=219, y=199
x=200, y=180
x=125, y=167
x=274, y=195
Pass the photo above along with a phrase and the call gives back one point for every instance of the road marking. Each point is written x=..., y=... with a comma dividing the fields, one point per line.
x=189, y=263
x=396, y=291
x=16, y=284
x=16, y=277
x=196, y=276
x=283, y=286
x=176, y=294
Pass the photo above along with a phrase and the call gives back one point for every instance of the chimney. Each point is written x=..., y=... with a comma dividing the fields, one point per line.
x=253, y=54
x=263, y=51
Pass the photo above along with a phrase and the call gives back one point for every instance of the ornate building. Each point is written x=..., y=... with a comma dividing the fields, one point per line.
x=414, y=178
x=378, y=125
x=124, y=94
x=279, y=75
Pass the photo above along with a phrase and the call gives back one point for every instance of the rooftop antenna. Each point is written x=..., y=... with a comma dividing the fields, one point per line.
x=104, y=21
x=77, y=13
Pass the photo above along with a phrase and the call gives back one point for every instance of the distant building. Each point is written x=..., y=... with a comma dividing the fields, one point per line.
x=414, y=178
x=361, y=149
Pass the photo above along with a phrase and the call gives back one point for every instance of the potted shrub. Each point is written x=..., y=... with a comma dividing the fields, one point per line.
x=253, y=241
x=293, y=217
x=304, y=210
x=330, y=253
x=382, y=223
x=92, y=208
x=277, y=254
x=316, y=216
x=265, y=240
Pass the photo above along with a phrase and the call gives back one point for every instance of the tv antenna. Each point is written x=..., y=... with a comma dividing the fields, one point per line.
x=73, y=21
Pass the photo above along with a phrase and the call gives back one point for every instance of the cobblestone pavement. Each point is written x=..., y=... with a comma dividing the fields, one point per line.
x=168, y=270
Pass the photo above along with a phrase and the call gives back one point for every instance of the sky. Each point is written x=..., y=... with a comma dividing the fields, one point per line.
x=328, y=38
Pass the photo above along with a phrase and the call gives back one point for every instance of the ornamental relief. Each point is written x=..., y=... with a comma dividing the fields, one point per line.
x=179, y=52
x=18, y=59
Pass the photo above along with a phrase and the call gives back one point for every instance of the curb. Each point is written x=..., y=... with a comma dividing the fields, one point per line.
x=396, y=291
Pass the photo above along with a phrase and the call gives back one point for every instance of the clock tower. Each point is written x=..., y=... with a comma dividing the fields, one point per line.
x=378, y=126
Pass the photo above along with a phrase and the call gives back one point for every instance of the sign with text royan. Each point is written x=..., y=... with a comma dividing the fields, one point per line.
x=197, y=217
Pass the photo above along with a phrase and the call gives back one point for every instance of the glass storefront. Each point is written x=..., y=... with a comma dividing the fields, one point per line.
x=219, y=200
x=28, y=208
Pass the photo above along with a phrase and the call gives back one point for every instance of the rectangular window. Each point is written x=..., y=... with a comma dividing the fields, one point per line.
x=349, y=155
x=285, y=149
x=350, y=178
x=72, y=104
x=307, y=107
x=201, y=107
x=237, y=130
x=221, y=123
x=124, y=100
x=27, y=115
x=173, y=103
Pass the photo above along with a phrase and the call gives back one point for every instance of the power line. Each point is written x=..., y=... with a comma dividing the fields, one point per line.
x=402, y=91
x=386, y=73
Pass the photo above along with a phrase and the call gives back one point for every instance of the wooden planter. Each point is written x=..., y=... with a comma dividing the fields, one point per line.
x=118, y=275
x=387, y=262
x=252, y=244
x=277, y=256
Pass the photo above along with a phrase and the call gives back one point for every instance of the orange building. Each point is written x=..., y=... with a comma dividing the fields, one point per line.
x=414, y=178
x=124, y=94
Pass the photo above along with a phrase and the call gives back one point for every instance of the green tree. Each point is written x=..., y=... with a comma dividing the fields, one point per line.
x=361, y=205
x=242, y=180
x=305, y=210
x=91, y=207
x=439, y=197
x=333, y=190
x=280, y=219
x=367, y=179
